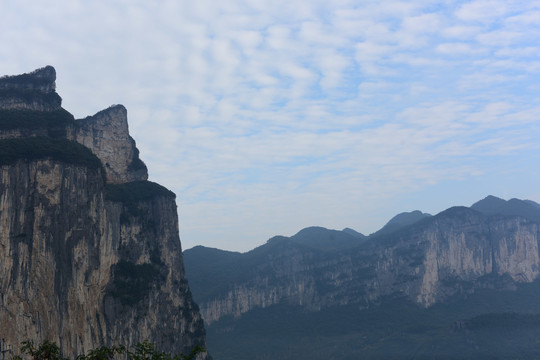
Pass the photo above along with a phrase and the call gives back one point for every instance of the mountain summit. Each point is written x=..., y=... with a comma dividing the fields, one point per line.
x=492, y=205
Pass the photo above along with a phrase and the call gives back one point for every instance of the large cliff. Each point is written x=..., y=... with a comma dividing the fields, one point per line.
x=89, y=249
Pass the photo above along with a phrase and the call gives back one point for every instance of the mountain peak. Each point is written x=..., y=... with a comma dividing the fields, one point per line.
x=489, y=201
x=492, y=205
x=353, y=232
x=401, y=220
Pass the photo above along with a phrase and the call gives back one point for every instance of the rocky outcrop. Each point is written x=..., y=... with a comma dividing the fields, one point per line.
x=30, y=107
x=33, y=91
x=107, y=135
x=450, y=254
x=88, y=255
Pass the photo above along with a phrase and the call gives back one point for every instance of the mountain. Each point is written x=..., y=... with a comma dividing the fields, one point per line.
x=414, y=292
x=89, y=248
x=492, y=205
x=401, y=220
x=325, y=239
x=354, y=233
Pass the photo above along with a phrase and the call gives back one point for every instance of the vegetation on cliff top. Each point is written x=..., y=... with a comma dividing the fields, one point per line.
x=55, y=122
x=13, y=150
x=136, y=191
x=38, y=77
x=51, y=98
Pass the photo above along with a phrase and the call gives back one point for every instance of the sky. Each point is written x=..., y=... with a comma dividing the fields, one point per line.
x=265, y=117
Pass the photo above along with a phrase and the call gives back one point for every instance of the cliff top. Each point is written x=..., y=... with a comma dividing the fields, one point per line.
x=30, y=107
x=42, y=79
x=30, y=91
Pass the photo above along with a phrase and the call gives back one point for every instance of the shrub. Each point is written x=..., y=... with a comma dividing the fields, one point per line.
x=136, y=191
x=12, y=150
x=132, y=282
x=142, y=351
x=54, y=122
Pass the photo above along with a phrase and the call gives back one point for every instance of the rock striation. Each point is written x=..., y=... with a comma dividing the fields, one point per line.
x=89, y=249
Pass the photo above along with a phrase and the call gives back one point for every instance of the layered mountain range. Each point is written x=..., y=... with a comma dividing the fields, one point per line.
x=89, y=248
x=423, y=262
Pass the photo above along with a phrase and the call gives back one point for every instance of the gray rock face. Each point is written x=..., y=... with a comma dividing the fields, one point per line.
x=107, y=135
x=89, y=258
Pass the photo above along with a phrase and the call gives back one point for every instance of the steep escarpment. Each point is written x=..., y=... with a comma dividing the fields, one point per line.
x=89, y=249
x=452, y=253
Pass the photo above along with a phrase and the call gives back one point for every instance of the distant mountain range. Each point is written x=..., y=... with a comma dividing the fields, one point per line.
x=458, y=284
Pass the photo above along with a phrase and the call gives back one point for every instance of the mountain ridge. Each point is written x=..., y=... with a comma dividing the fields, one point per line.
x=430, y=263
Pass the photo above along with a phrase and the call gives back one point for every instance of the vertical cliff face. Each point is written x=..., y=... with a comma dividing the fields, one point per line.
x=89, y=250
x=462, y=246
x=54, y=262
x=459, y=246
x=149, y=290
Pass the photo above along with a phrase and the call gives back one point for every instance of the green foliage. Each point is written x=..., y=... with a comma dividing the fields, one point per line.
x=132, y=282
x=54, y=121
x=46, y=351
x=131, y=194
x=29, y=95
x=136, y=191
x=148, y=351
x=38, y=77
x=137, y=163
x=142, y=351
x=12, y=150
x=103, y=353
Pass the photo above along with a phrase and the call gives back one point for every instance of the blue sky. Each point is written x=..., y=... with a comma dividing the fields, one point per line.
x=265, y=117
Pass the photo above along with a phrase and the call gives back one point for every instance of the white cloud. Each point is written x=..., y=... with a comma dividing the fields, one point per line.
x=459, y=49
x=462, y=32
x=483, y=10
